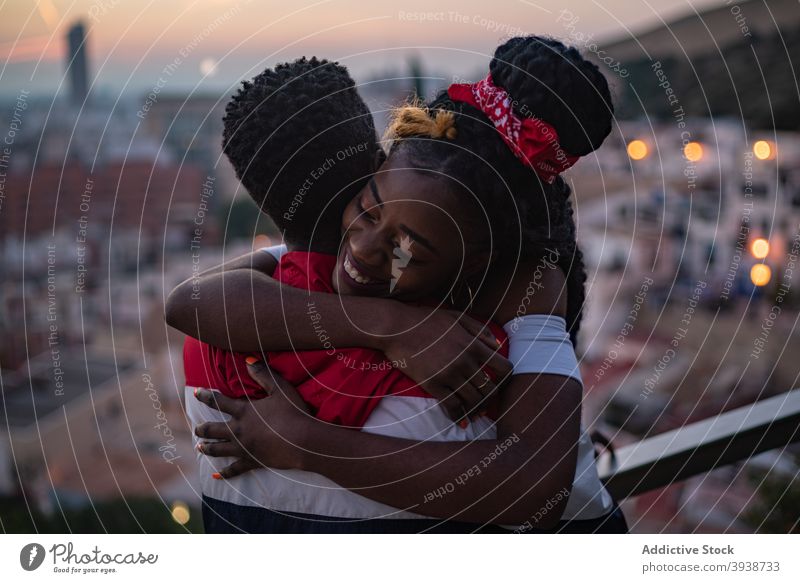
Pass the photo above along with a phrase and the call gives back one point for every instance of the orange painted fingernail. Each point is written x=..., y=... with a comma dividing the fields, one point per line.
x=499, y=343
x=216, y=476
x=251, y=360
x=463, y=423
x=199, y=446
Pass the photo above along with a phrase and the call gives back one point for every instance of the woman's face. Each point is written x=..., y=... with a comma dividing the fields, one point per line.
x=407, y=235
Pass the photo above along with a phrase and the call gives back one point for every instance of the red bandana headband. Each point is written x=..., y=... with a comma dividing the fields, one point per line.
x=532, y=140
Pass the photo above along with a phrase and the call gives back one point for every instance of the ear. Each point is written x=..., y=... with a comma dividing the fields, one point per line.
x=378, y=159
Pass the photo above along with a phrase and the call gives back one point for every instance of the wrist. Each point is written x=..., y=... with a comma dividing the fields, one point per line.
x=387, y=325
x=304, y=443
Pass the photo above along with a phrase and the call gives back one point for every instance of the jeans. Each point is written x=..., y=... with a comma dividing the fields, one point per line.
x=223, y=517
x=612, y=523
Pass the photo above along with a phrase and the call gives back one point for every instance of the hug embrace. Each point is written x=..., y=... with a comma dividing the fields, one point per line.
x=405, y=360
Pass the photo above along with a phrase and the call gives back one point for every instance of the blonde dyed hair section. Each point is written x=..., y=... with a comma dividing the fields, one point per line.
x=412, y=120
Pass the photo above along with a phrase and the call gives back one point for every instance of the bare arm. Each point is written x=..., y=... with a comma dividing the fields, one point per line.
x=246, y=310
x=187, y=291
x=505, y=481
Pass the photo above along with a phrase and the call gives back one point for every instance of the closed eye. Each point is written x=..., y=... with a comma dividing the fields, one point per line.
x=363, y=212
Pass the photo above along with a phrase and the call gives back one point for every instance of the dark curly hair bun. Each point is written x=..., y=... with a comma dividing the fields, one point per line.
x=555, y=83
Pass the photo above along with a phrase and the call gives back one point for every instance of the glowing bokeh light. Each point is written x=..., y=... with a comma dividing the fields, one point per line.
x=760, y=274
x=762, y=150
x=760, y=248
x=693, y=151
x=637, y=150
x=180, y=512
x=208, y=67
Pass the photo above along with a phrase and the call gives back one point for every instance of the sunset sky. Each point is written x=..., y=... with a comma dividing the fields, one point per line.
x=215, y=43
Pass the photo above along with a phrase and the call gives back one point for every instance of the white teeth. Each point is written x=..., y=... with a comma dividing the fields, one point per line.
x=354, y=273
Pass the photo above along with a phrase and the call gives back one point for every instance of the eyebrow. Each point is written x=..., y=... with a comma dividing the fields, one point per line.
x=410, y=232
x=419, y=239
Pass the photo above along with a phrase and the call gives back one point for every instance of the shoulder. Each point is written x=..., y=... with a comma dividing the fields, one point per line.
x=534, y=285
x=312, y=271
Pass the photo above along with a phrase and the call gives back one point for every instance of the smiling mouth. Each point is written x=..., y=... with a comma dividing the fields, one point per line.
x=358, y=277
x=355, y=273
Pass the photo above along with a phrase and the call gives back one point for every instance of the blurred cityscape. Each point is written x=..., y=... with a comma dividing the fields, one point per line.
x=689, y=218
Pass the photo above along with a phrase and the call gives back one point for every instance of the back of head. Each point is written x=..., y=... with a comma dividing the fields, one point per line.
x=547, y=81
x=553, y=82
x=302, y=142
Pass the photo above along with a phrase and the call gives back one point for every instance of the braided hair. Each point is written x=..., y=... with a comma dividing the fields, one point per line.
x=547, y=80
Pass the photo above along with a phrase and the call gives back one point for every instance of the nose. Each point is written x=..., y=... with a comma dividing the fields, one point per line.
x=368, y=247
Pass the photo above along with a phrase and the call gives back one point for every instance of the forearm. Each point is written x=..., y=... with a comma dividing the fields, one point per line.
x=487, y=481
x=185, y=308
x=502, y=481
x=244, y=310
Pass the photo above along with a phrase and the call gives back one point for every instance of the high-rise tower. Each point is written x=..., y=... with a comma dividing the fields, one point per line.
x=77, y=65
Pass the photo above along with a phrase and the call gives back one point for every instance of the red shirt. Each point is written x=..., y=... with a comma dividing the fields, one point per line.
x=341, y=386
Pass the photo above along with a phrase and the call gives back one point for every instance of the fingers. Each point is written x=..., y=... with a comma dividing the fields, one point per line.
x=448, y=401
x=488, y=349
x=215, y=430
x=218, y=401
x=501, y=366
x=470, y=397
x=478, y=330
x=481, y=357
x=266, y=377
x=237, y=468
x=483, y=384
x=220, y=449
x=457, y=411
x=262, y=374
x=272, y=382
x=459, y=404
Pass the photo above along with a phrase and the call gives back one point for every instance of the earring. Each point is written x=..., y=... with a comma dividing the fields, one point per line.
x=469, y=292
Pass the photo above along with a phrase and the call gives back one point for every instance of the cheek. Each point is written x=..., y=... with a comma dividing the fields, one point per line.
x=422, y=282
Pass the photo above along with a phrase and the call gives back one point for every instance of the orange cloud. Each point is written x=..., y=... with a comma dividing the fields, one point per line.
x=31, y=49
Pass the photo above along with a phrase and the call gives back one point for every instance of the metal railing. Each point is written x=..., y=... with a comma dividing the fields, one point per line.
x=700, y=447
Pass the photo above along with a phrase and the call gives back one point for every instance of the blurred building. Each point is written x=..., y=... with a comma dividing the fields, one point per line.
x=77, y=64
x=684, y=205
x=190, y=128
x=90, y=425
